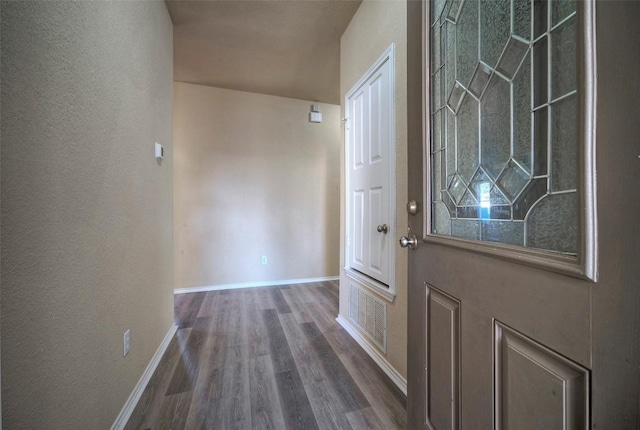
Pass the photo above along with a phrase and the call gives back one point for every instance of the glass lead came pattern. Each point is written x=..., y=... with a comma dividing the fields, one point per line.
x=467, y=132
x=468, y=199
x=456, y=188
x=513, y=180
x=467, y=41
x=490, y=149
x=564, y=144
x=495, y=29
x=456, y=97
x=512, y=57
x=522, y=114
x=436, y=60
x=522, y=18
x=496, y=126
x=561, y=9
x=480, y=78
x=563, y=60
x=437, y=176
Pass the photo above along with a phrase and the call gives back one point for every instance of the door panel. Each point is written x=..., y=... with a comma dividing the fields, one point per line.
x=358, y=130
x=535, y=387
x=377, y=98
x=357, y=260
x=443, y=365
x=377, y=250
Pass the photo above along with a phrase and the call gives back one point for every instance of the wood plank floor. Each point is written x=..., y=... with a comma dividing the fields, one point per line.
x=266, y=358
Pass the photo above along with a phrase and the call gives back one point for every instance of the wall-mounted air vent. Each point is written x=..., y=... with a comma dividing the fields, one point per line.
x=369, y=314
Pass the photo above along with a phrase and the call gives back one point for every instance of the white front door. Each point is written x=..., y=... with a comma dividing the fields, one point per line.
x=369, y=143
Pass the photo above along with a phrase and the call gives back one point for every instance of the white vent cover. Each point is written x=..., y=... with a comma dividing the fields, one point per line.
x=369, y=314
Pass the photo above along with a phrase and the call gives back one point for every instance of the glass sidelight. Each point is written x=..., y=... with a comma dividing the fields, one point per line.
x=504, y=119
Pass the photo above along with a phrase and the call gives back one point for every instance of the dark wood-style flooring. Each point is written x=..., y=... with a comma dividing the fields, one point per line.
x=266, y=358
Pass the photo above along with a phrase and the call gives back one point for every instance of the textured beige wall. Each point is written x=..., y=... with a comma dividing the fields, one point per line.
x=86, y=210
x=253, y=177
x=374, y=27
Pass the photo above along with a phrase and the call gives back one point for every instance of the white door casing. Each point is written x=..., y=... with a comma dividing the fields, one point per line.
x=370, y=175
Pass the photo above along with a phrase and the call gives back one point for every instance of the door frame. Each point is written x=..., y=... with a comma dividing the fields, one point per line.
x=388, y=293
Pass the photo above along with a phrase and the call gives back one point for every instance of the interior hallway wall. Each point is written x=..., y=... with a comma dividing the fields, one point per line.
x=373, y=28
x=253, y=178
x=86, y=209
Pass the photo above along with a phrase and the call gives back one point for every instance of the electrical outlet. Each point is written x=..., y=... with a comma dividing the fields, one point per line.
x=127, y=342
x=264, y=259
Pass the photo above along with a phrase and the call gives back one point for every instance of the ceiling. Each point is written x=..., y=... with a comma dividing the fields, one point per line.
x=287, y=48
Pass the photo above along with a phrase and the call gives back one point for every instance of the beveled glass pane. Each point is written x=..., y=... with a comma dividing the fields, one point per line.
x=522, y=115
x=436, y=43
x=480, y=78
x=540, y=18
x=536, y=189
x=468, y=199
x=552, y=223
x=438, y=5
x=451, y=142
x=480, y=186
x=503, y=232
x=436, y=181
x=437, y=91
x=467, y=41
x=540, y=71
x=495, y=29
x=522, y=18
x=456, y=97
x=513, y=180
x=497, y=197
x=468, y=212
x=441, y=219
x=512, y=57
x=466, y=229
x=454, y=10
x=499, y=212
x=443, y=169
x=468, y=138
x=564, y=145
x=445, y=11
x=496, y=126
x=560, y=9
x=457, y=188
x=540, y=140
x=564, y=71
x=450, y=60
x=436, y=131
x=448, y=202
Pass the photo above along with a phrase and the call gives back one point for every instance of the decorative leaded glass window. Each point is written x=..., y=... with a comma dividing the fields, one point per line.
x=504, y=122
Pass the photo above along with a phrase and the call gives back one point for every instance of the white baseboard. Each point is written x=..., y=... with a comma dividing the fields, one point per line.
x=133, y=399
x=252, y=285
x=387, y=368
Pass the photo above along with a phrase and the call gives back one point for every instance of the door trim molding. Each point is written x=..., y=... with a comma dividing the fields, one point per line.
x=387, y=56
x=585, y=265
x=372, y=285
x=375, y=355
